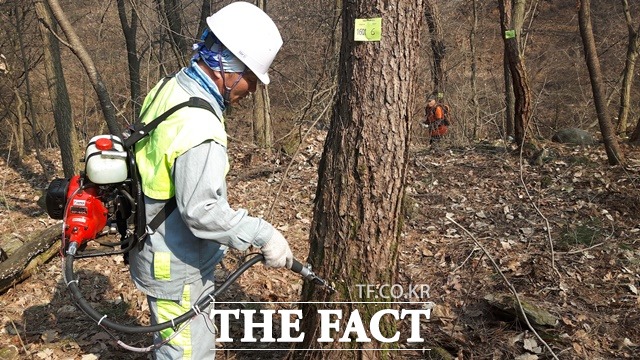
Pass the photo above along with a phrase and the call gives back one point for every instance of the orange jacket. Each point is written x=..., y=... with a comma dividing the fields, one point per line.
x=435, y=120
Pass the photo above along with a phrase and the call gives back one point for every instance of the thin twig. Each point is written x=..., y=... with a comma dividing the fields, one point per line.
x=465, y=260
x=24, y=348
x=580, y=250
x=509, y=285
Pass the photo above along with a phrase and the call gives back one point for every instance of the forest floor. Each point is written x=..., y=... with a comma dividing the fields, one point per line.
x=471, y=211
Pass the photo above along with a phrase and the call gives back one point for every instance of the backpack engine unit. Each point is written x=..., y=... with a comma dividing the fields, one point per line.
x=104, y=199
x=107, y=197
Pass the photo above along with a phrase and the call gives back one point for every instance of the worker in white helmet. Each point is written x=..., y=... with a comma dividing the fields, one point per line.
x=185, y=158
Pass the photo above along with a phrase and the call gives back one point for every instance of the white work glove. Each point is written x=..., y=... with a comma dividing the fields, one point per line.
x=276, y=252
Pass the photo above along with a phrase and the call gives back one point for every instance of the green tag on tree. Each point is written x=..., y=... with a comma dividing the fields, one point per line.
x=509, y=34
x=368, y=29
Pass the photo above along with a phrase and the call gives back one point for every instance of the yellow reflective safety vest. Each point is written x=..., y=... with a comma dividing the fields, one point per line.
x=183, y=130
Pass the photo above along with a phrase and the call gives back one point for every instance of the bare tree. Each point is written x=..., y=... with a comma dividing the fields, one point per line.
x=474, y=67
x=614, y=154
x=170, y=12
x=262, y=129
x=17, y=129
x=633, y=47
x=438, y=47
x=356, y=225
x=517, y=69
x=56, y=83
x=130, y=30
x=78, y=49
x=19, y=17
x=635, y=136
x=11, y=99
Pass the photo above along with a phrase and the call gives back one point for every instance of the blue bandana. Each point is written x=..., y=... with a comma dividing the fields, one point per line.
x=217, y=55
x=195, y=72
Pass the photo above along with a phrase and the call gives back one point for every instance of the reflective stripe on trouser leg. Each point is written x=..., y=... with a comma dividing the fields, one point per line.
x=197, y=340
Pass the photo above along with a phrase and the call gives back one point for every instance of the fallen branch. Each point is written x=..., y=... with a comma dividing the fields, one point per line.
x=509, y=285
x=580, y=250
x=37, y=250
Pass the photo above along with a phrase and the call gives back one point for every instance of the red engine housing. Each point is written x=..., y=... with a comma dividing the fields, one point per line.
x=86, y=215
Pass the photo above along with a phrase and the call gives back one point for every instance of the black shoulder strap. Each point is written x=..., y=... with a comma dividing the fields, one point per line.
x=138, y=134
x=162, y=215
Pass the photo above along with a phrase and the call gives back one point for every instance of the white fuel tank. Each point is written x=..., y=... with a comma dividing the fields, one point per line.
x=106, y=160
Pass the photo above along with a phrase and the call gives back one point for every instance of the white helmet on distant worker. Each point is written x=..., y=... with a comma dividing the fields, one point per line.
x=249, y=33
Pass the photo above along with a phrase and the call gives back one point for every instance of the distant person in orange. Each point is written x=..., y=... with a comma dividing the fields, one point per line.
x=435, y=119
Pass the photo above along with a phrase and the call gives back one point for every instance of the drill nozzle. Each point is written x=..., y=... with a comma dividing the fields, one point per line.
x=306, y=273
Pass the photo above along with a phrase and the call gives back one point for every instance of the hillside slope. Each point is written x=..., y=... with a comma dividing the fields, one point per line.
x=456, y=196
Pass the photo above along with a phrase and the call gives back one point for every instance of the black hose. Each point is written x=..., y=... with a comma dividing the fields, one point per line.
x=102, y=320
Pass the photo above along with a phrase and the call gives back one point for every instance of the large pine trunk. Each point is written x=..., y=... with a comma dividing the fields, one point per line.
x=356, y=228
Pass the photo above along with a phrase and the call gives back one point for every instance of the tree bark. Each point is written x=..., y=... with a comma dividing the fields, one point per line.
x=18, y=130
x=614, y=154
x=355, y=234
x=169, y=12
x=474, y=70
x=262, y=130
x=57, y=86
x=32, y=115
x=36, y=251
x=635, y=136
x=205, y=12
x=509, y=97
x=75, y=45
x=130, y=29
x=521, y=89
x=633, y=47
x=438, y=47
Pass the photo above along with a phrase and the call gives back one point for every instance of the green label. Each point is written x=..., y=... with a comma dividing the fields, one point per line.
x=368, y=29
x=509, y=34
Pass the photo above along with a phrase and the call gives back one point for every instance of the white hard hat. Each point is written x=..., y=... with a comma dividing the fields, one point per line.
x=249, y=33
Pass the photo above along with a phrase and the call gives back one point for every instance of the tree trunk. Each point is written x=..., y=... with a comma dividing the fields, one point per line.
x=32, y=116
x=474, y=70
x=357, y=216
x=521, y=89
x=18, y=130
x=169, y=12
x=438, y=48
x=509, y=97
x=129, y=29
x=205, y=12
x=635, y=136
x=262, y=130
x=75, y=45
x=173, y=12
x=62, y=111
x=614, y=154
x=633, y=47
